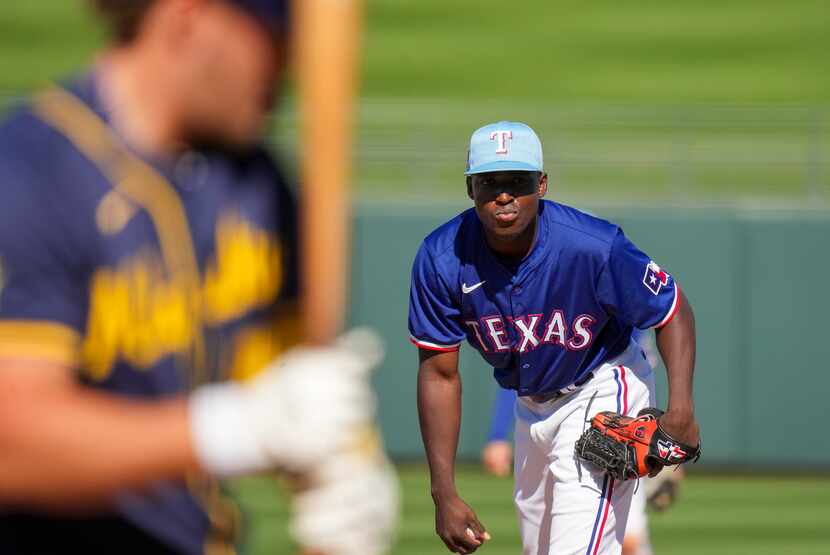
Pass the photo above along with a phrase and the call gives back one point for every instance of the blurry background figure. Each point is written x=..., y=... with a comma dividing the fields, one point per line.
x=662, y=490
x=657, y=494
x=497, y=455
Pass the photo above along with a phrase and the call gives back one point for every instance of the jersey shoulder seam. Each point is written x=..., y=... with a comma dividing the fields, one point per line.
x=588, y=233
x=604, y=267
x=458, y=222
x=435, y=254
x=440, y=276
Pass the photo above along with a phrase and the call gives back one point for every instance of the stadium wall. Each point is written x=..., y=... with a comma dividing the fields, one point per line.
x=756, y=280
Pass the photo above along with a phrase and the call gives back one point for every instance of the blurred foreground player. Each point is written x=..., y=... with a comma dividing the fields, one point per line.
x=549, y=296
x=148, y=247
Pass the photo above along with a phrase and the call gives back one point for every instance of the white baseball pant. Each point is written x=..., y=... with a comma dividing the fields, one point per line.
x=567, y=506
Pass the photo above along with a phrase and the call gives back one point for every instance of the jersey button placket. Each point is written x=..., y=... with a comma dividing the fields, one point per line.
x=516, y=294
x=514, y=309
x=518, y=312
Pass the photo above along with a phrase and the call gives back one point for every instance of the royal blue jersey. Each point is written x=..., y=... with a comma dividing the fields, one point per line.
x=149, y=276
x=569, y=305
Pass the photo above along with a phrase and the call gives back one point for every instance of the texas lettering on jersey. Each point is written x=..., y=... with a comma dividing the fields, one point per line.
x=530, y=332
x=570, y=305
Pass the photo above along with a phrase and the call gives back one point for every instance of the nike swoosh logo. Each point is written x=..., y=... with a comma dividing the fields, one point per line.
x=470, y=289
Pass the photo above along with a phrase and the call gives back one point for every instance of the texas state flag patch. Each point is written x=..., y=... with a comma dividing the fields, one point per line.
x=655, y=278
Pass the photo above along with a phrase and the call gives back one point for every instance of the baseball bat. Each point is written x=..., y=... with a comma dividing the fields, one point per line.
x=326, y=44
x=326, y=50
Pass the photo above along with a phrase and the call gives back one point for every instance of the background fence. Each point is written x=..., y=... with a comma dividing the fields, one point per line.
x=755, y=279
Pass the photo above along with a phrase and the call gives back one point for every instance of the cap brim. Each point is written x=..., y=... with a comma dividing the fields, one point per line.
x=503, y=166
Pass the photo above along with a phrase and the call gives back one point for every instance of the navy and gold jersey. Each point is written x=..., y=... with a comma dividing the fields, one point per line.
x=149, y=276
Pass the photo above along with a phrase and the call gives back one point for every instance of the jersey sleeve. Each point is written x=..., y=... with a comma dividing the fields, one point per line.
x=434, y=319
x=635, y=289
x=42, y=295
x=501, y=421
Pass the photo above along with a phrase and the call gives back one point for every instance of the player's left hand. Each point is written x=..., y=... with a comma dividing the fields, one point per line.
x=681, y=425
x=629, y=447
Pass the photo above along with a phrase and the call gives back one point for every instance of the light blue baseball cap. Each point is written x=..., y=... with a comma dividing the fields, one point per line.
x=504, y=146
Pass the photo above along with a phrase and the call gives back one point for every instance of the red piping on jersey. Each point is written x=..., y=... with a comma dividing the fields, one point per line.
x=433, y=347
x=673, y=310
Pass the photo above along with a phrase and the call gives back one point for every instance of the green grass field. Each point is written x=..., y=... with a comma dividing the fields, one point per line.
x=690, y=103
x=744, y=51
x=716, y=515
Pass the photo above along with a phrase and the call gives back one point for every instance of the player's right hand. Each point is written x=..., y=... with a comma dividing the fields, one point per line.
x=307, y=405
x=458, y=526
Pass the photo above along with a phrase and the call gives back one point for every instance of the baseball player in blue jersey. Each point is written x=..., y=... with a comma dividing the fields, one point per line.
x=549, y=297
x=149, y=266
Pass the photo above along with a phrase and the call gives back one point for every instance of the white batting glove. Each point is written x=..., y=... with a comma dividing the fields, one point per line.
x=305, y=406
x=351, y=507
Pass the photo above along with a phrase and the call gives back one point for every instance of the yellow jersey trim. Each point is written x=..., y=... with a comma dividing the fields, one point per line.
x=139, y=182
x=40, y=340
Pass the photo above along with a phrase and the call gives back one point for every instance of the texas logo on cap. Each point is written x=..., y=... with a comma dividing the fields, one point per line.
x=504, y=146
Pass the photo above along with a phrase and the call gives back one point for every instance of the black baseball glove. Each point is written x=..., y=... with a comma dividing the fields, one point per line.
x=626, y=447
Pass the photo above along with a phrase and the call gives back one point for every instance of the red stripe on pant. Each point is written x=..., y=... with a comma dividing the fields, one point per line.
x=625, y=390
x=604, y=516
